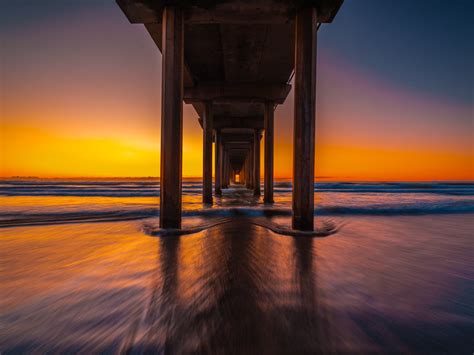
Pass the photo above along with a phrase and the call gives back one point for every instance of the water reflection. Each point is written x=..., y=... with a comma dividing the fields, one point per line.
x=381, y=284
x=241, y=292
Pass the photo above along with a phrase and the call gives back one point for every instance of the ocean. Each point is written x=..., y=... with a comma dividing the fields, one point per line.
x=80, y=270
x=36, y=201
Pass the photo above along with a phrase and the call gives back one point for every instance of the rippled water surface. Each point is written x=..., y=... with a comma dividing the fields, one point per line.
x=397, y=277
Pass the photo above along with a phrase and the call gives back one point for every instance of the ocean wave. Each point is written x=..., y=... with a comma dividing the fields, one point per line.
x=398, y=210
x=152, y=189
x=23, y=219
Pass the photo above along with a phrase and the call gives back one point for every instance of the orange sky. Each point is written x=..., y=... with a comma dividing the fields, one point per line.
x=70, y=114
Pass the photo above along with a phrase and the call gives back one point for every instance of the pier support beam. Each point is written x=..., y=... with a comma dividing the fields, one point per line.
x=256, y=162
x=222, y=166
x=171, y=118
x=224, y=169
x=207, y=154
x=268, y=146
x=229, y=172
x=246, y=170
x=304, y=118
x=250, y=158
x=217, y=164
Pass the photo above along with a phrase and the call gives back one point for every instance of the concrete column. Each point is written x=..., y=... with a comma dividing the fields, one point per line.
x=256, y=163
x=171, y=118
x=224, y=169
x=245, y=172
x=268, y=168
x=228, y=171
x=250, y=166
x=207, y=154
x=217, y=164
x=304, y=118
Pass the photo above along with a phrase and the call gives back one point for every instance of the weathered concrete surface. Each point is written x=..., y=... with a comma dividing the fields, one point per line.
x=304, y=119
x=268, y=154
x=207, y=154
x=171, y=119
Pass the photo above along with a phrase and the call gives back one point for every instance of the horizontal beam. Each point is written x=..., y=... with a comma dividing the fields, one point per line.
x=237, y=152
x=222, y=122
x=236, y=137
x=230, y=12
x=223, y=93
x=237, y=148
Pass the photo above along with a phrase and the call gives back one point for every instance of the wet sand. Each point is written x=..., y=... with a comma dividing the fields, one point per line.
x=382, y=284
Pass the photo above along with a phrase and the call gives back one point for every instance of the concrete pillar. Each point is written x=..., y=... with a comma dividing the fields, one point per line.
x=268, y=146
x=256, y=162
x=217, y=164
x=228, y=171
x=171, y=118
x=245, y=172
x=207, y=154
x=250, y=166
x=304, y=118
x=224, y=169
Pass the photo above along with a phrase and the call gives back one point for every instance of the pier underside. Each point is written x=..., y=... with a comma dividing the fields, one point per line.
x=234, y=61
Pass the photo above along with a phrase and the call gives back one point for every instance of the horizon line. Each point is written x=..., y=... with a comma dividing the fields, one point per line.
x=334, y=179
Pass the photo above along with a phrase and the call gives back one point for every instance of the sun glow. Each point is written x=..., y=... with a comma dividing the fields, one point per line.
x=89, y=106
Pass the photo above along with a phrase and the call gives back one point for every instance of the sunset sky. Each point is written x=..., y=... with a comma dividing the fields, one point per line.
x=81, y=90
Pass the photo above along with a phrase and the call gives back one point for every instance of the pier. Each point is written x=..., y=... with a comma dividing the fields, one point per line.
x=234, y=61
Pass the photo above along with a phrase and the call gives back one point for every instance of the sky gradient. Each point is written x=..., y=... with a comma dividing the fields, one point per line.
x=81, y=90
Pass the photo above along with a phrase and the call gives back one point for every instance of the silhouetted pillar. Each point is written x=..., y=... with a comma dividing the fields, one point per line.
x=224, y=169
x=250, y=166
x=207, y=154
x=245, y=171
x=268, y=146
x=304, y=118
x=229, y=169
x=217, y=164
x=256, y=162
x=171, y=118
